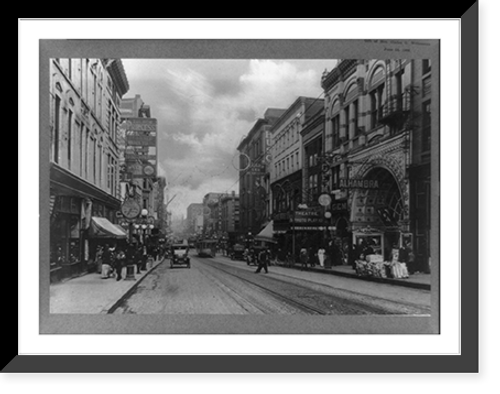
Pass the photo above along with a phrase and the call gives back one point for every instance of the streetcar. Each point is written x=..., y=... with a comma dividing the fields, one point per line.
x=206, y=248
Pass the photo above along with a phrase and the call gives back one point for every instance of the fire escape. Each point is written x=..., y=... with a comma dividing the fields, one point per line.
x=397, y=108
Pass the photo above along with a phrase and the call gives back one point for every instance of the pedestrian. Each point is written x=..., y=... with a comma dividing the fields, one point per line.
x=106, y=263
x=98, y=259
x=130, y=254
x=263, y=261
x=144, y=257
x=304, y=258
x=119, y=262
x=312, y=257
x=321, y=256
x=138, y=258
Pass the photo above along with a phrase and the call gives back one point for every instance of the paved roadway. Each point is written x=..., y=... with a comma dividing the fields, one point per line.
x=222, y=286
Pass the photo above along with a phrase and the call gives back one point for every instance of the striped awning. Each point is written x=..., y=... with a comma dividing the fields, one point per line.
x=103, y=228
x=266, y=234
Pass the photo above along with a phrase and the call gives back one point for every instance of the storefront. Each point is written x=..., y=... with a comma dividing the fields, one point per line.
x=379, y=214
x=340, y=244
x=66, y=237
x=73, y=205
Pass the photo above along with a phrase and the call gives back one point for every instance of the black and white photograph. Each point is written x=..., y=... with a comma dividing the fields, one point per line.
x=237, y=196
x=236, y=187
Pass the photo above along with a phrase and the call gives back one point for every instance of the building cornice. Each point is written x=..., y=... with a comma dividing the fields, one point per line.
x=289, y=111
x=117, y=72
x=256, y=128
x=344, y=69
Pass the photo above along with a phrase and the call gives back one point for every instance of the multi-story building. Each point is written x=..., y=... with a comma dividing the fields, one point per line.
x=255, y=156
x=230, y=217
x=420, y=168
x=139, y=162
x=286, y=191
x=313, y=182
x=159, y=206
x=85, y=97
x=195, y=218
x=211, y=214
x=377, y=140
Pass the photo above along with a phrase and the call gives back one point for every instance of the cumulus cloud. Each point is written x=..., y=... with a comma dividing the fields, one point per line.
x=205, y=108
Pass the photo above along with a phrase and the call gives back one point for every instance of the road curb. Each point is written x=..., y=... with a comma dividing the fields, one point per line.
x=395, y=282
x=115, y=304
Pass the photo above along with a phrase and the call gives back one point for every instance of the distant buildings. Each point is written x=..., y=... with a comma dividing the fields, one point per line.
x=195, y=218
x=255, y=158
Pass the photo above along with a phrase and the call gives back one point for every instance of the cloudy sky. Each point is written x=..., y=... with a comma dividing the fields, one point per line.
x=205, y=107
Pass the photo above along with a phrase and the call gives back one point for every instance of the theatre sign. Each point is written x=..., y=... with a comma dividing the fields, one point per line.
x=359, y=184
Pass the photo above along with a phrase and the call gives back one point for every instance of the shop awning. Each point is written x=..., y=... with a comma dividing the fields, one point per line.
x=103, y=228
x=266, y=234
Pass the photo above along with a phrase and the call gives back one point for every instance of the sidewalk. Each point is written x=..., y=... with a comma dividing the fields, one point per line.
x=92, y=294
x=416, y=281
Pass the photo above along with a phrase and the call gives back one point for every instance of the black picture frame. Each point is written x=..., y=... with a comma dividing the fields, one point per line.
x=466, y=361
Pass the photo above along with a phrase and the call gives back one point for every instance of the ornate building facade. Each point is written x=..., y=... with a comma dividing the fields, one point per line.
x=374, y=120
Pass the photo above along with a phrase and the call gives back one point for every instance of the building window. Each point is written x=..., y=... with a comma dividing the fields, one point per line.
x=86, y=153
x=94, y=93
x=426, y=66
x=355, y=114
x=70, y=140
x=376, y=97
x=94, y=162
x=55, y=148
x=347, y=121
x=110, y=172
x=336, y=177
x=426, y=126
x=99, y=172
x=336, y=132
x=426, y=86
x=82, y=147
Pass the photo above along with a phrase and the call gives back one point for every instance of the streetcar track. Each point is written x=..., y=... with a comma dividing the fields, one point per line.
x=289, y=301
x=332, y=288
x=238, y=298
x=300, y=305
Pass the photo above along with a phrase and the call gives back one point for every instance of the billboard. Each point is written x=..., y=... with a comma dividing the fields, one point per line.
x=141, y=135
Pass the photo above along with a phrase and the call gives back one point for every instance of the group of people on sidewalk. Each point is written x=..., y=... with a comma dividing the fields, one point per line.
x=112, y=259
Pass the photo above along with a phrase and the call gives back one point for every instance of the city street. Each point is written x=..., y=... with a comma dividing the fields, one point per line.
x=222, y=286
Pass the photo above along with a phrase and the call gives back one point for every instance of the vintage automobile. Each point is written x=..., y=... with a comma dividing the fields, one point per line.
x=238, y=252
x=179, y=256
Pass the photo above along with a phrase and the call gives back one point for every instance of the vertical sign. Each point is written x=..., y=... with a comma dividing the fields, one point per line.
x=141, y=137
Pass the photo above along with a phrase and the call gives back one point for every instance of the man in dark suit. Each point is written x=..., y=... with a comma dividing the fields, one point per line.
x=263, y=260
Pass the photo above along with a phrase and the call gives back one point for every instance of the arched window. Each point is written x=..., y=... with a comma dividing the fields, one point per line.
x=335, y=123
x=377, y=95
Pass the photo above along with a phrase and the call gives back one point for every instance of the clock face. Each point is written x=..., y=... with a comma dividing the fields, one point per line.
x=149, y=170
x=130, y=209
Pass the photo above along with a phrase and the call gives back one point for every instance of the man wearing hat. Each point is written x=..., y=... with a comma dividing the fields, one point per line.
x=263, y=260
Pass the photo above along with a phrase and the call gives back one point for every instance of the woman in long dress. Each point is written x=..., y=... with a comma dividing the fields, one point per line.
x=321, y=256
